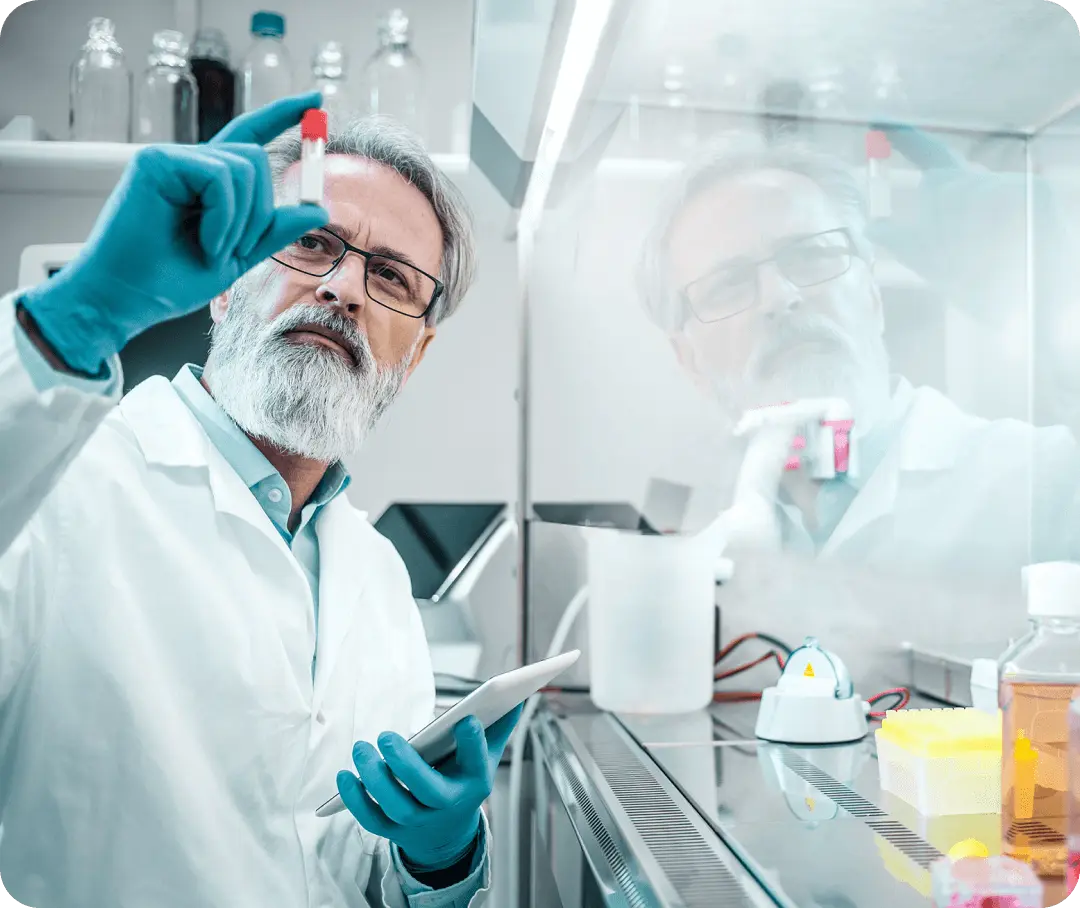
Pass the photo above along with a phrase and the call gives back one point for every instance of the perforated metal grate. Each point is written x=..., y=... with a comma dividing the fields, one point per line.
x=692, y=867
x=599, y=830
x=896, y=834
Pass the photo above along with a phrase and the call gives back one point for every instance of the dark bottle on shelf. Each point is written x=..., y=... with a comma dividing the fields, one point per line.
x=217, y=82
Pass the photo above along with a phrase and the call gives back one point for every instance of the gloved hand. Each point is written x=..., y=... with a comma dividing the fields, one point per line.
x=181, y=226
x=966, y=232
x=432, y=816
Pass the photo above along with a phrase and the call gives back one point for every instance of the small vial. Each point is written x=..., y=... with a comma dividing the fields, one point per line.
x=313, y=131
x=879, y=190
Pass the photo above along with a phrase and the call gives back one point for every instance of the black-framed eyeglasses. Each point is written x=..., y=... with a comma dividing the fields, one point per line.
x=805, y=261
x=390, y=282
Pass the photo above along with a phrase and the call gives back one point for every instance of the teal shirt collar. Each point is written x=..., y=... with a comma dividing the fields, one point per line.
x=247, y=460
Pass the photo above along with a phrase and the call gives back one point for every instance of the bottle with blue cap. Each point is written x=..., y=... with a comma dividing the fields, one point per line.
x=267, y=73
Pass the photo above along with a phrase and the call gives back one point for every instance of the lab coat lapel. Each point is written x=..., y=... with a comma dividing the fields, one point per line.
x=932, y=435
x=170, y=436
x=342, y=587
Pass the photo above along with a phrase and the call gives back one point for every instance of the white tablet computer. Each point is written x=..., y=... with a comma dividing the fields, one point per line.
x=489, y=702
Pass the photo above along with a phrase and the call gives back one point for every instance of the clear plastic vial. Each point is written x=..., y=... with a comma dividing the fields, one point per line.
x=1040, y=677
x=267, y=68
x=313, y=129
x=878, y=175
x=394, y=76
x=100, y=88
x=167, y=103
x=329, y=73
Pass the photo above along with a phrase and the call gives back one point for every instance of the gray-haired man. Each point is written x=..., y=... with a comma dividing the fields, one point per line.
x=198, y=633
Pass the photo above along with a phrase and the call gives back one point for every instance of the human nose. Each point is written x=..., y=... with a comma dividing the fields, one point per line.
x=777, y=295
x=345, y=286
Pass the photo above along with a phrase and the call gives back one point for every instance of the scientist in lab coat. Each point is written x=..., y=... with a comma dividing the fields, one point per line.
x=199, y=635
x=762, y=273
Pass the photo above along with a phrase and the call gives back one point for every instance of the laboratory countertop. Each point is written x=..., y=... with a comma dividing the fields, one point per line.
x=810, y=825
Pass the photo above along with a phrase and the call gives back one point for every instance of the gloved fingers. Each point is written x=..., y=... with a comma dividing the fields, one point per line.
x=396, y=803
x=472, y=749
x=190, y=178
x=429, y=786
x=922, y=149
x=244, y=178
x=288, y=223
x=498, y=734
x=261, y=213
x=266, y=123
x=364, y=810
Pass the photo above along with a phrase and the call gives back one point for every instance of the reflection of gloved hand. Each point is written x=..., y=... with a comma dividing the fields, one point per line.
x=181, y=226
x=963, y=218
x=966, y=233
x=432, y=816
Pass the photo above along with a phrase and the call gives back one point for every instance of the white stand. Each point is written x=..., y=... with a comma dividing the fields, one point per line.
x=798, y=717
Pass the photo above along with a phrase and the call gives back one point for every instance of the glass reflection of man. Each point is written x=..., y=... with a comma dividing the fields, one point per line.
x=763, y=275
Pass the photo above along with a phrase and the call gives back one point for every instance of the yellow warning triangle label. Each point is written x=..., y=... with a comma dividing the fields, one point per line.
x=809, y=672
x=810, y=803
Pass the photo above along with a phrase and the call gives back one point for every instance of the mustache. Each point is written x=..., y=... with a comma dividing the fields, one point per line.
x=355, y=340
x=796, y=330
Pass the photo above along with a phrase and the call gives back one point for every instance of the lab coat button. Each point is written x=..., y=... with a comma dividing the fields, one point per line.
x=274, y=495
x=320, y=718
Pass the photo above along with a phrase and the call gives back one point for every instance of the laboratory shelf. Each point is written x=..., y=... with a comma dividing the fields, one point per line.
x=92, y=168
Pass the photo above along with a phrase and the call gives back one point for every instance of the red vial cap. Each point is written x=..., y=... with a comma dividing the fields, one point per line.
x=877, y=145
x=313, y=125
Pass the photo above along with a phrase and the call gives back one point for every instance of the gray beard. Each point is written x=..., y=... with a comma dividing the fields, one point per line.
x=303, y=399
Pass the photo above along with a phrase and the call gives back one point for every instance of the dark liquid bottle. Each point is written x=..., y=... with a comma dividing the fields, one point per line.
x=217, y=82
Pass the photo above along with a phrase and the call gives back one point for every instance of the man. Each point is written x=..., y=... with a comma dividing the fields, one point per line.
x=763, y=275
x=195, y=625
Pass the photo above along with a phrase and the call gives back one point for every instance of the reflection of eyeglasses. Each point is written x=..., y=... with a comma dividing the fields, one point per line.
x=805, y=262
x=388, y=281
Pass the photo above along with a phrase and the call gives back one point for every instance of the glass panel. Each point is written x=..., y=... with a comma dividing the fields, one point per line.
x=741, y=128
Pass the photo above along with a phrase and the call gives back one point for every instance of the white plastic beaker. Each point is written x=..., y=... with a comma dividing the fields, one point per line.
x=651, y=622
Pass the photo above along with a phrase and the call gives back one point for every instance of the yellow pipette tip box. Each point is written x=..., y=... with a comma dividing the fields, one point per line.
x=943, y=762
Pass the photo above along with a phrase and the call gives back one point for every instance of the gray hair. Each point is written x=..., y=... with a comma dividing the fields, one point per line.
x=735, y=156
x=388, y=142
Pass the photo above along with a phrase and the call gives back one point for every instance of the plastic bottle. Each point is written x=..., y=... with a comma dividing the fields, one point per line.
x=329, y=72
x=1073, y=841
x=166, y=105
x=100, y=88
x=267, y=70
x=394, y=77
x=217, y=82
x=1040, y=676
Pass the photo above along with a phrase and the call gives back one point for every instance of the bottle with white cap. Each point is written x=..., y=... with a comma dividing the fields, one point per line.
x=1040, y=676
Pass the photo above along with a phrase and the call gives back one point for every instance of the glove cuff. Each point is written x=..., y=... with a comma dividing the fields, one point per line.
x=71, y=324
x=447, y=863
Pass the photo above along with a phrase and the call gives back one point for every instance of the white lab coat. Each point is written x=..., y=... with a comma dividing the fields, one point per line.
x=161, y=740
x=929, y=551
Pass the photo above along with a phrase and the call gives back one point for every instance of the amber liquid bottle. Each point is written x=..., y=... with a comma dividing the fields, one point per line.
x=1040, y=676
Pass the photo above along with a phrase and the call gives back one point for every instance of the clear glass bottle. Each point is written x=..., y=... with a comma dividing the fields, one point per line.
x=166, y=105
x=1073, y=840
x=267, y=73
x=1040, y=677
x=329, y=74
x=100, y=88
x=217, y=82
x=394, y=76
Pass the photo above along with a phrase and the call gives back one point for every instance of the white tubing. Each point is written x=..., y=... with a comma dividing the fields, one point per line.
x=517, y=746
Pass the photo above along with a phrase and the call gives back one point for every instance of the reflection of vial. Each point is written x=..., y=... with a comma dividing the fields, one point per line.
x=313, y=138
x=878, y=188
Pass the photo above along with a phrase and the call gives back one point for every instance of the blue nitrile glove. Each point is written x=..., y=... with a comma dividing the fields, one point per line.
x=436, y=821
x=965, y=233
x=184, y=222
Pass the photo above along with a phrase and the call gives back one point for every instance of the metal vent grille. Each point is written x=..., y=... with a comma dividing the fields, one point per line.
x=896, y=834
x=1035, y=833
x=599, y=829
x=691, y=866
